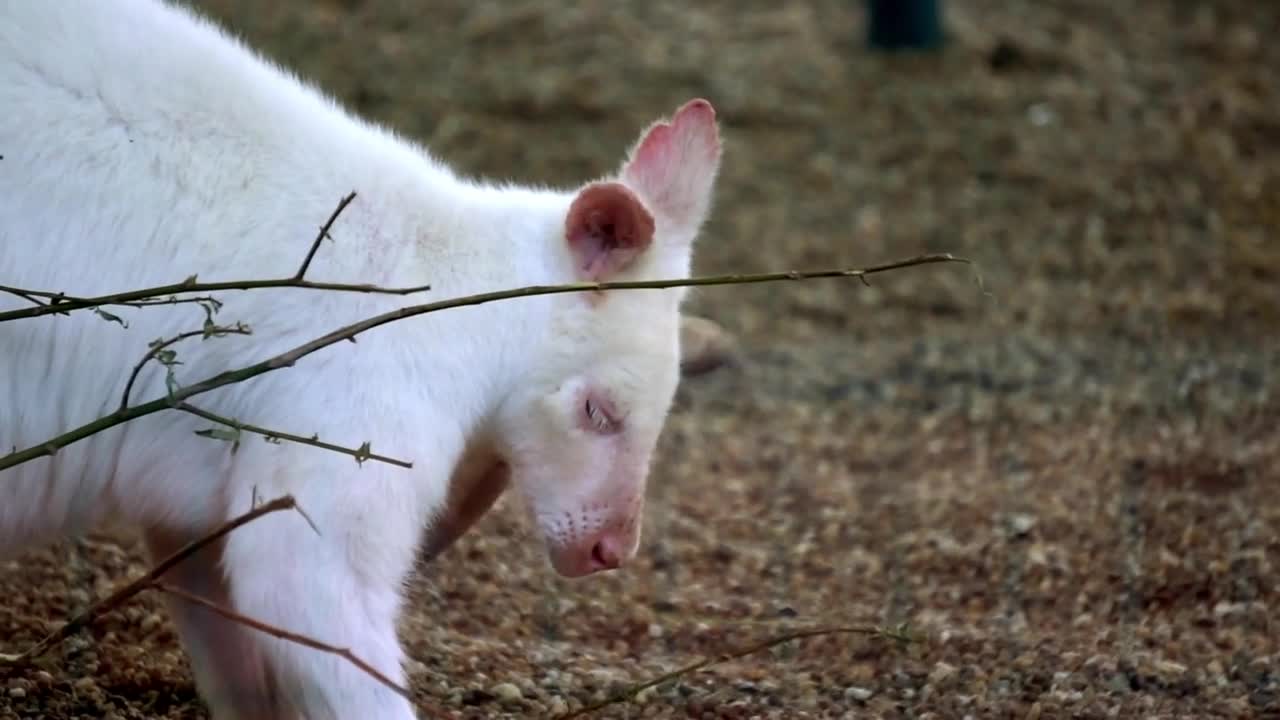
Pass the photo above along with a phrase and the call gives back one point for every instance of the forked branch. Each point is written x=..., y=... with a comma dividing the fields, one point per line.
x=57, y=303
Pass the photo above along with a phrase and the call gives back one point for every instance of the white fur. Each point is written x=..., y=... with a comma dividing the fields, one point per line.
x=142, y=145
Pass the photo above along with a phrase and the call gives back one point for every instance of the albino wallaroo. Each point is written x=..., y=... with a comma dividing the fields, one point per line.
x=142, y=145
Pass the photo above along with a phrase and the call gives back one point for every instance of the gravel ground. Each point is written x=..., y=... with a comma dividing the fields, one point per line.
x=1064, y=481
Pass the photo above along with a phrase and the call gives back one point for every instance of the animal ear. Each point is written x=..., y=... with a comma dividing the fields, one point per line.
x=704, y=346
x=674, y=164
x=607, y=227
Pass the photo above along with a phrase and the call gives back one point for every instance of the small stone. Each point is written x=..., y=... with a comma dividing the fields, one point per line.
x=1021, y=524
x=859, y=694
x=85, y=684
x=44, y=678
x=17, y=693
x=558, y=706
x=645, y=695
x=150, y=623
x=1041, y=114
x=941, y=672
x=507, y=692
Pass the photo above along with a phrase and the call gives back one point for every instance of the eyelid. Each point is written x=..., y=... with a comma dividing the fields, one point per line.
x=600, y=415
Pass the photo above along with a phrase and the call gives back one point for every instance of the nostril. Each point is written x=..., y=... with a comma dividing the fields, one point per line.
x=604, y=556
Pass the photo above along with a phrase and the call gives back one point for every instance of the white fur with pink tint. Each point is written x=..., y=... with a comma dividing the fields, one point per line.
x=141, y=145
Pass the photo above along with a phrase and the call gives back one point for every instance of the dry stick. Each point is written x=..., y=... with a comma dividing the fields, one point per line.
x=25, y=295
x=898, y=633
x=64, y=304
x=283, y=634
x=287, y=359
x=36, y=296
x=361, y=453
x=61, y=304
x=117, y=598
x=324, y=233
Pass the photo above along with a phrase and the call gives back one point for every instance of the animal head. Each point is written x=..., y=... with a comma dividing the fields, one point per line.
x=581, y=431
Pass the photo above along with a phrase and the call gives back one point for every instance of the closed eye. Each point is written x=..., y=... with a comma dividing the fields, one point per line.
x=599, y=418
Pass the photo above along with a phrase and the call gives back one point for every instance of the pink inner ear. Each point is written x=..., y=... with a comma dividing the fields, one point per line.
x=674, y=163
x=694, y=124
x=607, y=228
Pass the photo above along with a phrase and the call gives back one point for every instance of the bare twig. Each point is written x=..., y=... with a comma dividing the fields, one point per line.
x=120, y=596
x=349, y=332
x=897, y=633
x=159, y=346
x=281, y=633
x=25, y=295
x=324, y=233
x=62, y=304
x=361, y=454
x=190, y=285
x=40, y=297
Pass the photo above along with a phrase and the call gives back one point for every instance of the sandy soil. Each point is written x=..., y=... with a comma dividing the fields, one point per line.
x=1067, y=486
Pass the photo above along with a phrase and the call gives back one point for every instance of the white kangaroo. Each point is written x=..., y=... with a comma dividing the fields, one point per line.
x=140, y=145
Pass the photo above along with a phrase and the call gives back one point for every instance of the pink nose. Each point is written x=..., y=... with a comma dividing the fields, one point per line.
x=606, y=554
x=606, y=551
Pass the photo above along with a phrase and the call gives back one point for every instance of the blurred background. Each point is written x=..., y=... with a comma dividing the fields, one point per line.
x=1064, y=479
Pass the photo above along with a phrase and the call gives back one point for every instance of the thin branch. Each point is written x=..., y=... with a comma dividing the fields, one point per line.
x=288, y=359
x=120, y=596
x=361, y=454
x=324, y=233
x=24, y=294
x=171, y=300
x=898, y=633
x=159, y=346
x=277, y=632
x=67, y=303
x=54, y=298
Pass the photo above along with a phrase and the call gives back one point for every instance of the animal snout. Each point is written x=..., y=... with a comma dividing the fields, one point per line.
x=592, y=544
x=607, y=550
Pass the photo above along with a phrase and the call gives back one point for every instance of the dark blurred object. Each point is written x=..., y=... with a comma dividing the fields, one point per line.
x=1006, y=55
x=904, y=24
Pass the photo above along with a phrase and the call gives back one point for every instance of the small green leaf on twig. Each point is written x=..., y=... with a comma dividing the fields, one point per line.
x=225, y=434
x=211, y=306
x=110, y=317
